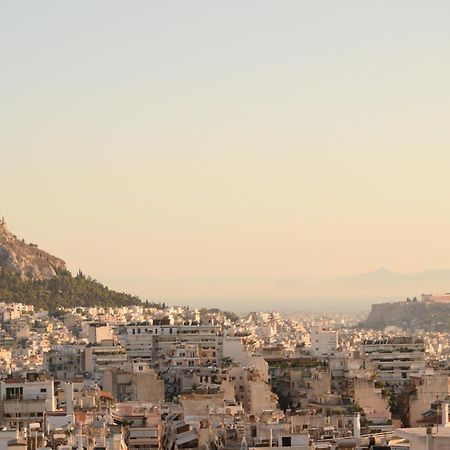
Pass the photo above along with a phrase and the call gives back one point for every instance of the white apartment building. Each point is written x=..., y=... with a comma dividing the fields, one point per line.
x=100, y=357
x=394, y=360
x=152, y=342
x=138, y=341
x=323, y=342
x=24, y=401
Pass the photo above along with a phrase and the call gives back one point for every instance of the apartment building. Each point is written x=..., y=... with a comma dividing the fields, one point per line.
x=394, y=360
x=132, y=382
x=428, y=389
x=155, y=341
x=323, y=342
x=138, y=341
x=25, y=400
x=100, y=357
x=252, y=390
x=64, y=362
x=99, y=332
x=146, y=430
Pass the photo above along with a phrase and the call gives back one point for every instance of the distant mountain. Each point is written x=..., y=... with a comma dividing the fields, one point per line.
x=387, y=283
x=32, y=276
x=380, y=275
x=243, y=294
x=372, y=287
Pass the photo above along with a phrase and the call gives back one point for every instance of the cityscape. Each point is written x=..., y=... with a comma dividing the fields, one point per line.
x=224, y=225
x=142, y=375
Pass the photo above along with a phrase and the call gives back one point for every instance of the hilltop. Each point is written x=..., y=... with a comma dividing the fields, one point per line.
x=32, y=276
x=25, y=259
x=410, y=315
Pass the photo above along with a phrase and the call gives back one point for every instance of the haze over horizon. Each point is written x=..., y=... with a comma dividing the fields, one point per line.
x=211, y=151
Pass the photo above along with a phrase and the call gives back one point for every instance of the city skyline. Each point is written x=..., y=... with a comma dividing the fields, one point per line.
x=221, y=142
x=224, y=225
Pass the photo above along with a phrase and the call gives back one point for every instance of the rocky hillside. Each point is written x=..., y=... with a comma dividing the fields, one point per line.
x=26, y=260
x=410, y=315
x=31, y=276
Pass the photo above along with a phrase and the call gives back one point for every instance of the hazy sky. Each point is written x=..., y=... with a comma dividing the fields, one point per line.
x=227, y=140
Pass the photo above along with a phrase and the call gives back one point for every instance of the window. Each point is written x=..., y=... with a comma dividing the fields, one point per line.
x=43, y=390
x=14, y=393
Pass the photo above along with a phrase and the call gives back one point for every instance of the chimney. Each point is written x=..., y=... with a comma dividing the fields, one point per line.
x=357, y=426
x=444, y=411
x=429, y=438
x=68, y=388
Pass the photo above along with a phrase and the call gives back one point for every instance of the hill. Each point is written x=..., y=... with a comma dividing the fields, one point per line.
x=32, y=276
x=410, y=315
x=62, y=290
x=26, y=260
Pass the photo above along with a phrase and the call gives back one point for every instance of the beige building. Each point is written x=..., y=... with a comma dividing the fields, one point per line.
x=252, y=390
x=98, y=332
x=104, y=356
x=428, y=389
x=134, y=382
x=366, y=395
x=428, y=438
x=199, y=406
x=234, y=348
x=307, y=384
x=146, y=427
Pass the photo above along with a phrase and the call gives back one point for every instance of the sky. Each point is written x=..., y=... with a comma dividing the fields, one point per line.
x=204, y=150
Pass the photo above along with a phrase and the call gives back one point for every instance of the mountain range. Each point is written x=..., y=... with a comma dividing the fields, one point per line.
x=384, y=282
x=354, y=293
